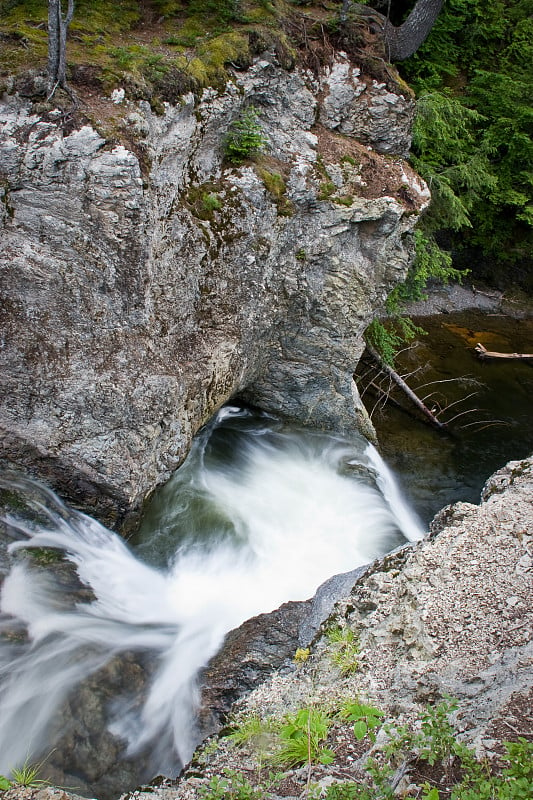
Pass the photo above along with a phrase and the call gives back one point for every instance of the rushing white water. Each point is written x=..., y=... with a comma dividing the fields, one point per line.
x=258, y=514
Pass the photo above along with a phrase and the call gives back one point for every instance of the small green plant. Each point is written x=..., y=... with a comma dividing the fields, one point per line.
x=211, y=202
x=233, y=786
x=28, y=775
x=389, y=339
x=381, y=775
x=430, y=793
x=123, y=56
x=437, y=741
x=345, y=200
x=365, y=718
x=327, y=188
x=254, y=730
x=301, y=655
x=207, y=750
x=277, y=188
x=274, y=182
x=5, y=783
x=302, y=739
x=343, y=790
x=45, y=556
x=245, y=138
x=300, y=255
x=204, y=199
x=344, y=649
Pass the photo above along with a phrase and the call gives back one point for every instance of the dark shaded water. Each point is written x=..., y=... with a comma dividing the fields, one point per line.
x=496, y=423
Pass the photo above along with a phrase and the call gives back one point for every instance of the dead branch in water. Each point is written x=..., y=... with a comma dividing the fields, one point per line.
x=484, y=353
x=408, y=392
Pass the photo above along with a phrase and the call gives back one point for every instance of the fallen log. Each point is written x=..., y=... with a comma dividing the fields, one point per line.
x=484, y=353
x=399, y=381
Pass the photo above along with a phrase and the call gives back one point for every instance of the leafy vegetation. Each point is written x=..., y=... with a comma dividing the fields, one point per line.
x=389, y=336
x=254, y=730
x=441, y=766
x=277, y=188
x=27, y=775
x=472, y=144
x=301, y=655
x=302, y=736
x=365, y=718
x=233, y=786
x=343, y=649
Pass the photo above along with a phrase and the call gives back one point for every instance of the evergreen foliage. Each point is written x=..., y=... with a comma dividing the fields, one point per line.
x=245, y=138
x=472, y=144
x=472, y=138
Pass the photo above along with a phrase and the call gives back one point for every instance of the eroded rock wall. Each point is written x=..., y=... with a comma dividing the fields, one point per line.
x=132, y=308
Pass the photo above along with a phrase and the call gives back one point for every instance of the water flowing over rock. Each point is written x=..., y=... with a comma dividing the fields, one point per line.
x=448, y=615
x=102, y=651
x=132, y=309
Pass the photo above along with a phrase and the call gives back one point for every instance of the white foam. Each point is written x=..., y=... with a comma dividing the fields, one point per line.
x=299, y=516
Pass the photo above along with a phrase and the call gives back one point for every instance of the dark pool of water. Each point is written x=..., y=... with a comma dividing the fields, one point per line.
x=437, y=469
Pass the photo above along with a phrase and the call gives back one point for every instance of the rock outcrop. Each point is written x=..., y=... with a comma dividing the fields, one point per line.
x=450, y=615
x=144, y=285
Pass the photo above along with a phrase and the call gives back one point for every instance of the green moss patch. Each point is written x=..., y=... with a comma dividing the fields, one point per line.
x=160, y=50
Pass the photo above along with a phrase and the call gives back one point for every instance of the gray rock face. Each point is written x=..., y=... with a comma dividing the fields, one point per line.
x=131, y=310
x=363, y=108
x=250, y=654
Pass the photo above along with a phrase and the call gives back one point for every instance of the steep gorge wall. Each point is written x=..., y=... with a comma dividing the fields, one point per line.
x=130, y=311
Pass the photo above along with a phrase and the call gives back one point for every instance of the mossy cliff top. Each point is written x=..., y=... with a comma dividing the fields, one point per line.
x=158, y=50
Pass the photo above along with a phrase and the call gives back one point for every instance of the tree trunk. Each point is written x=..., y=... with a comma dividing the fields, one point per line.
x=482, y=352
x=57, y=43
x=54, y=14
x=399, y=381
x=403, y=41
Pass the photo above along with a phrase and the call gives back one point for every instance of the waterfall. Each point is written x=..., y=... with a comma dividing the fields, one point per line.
x=258, y=514
x=408, y=522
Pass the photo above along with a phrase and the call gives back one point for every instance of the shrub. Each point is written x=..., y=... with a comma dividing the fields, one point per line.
x=245, y=138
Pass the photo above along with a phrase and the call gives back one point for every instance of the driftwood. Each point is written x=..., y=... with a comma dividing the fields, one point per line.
x=399, y=381
x=484, y=353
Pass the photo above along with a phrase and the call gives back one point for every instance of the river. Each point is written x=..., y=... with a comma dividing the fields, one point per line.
x=102, y=641
x=260, y=513
x=490, y=400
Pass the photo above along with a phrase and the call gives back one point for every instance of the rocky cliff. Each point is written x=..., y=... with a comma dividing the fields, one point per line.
x=144, y=281
x=449, y=616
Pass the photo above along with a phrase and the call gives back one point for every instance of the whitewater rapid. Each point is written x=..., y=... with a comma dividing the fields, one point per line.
x=258, y=514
